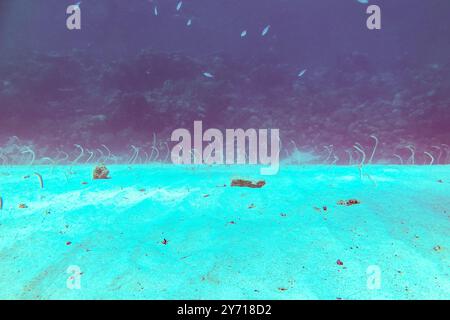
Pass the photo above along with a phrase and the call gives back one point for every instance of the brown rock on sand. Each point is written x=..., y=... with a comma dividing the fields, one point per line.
x=247, y=183
x=100, y=173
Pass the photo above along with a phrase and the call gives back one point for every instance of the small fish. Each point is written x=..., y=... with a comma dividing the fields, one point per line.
x=179, y=5
x=208, y=75
x=155, y=10
x=189, y=22
x=265, y=31
x=301, y=73
x=243, y=33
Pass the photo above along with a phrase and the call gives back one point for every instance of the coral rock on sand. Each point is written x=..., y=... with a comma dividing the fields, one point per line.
x=247, y=183
x=350, y=202
x=101, y=172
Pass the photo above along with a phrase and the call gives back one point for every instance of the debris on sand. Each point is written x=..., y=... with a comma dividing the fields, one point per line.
x=348, y=203
x=164, y=242
x=101, y=172
x=23, y=206
x=324, y=208
x=339, y=262
x=247, y=183
x=437, y=248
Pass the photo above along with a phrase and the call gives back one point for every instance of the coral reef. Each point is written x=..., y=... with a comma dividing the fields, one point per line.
x=53, y=101
x=101, y=173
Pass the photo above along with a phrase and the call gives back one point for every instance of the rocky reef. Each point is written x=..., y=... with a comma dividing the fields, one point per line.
x=50, y=102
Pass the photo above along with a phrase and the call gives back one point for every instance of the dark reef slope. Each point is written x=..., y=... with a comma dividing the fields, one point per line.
x=55, y=100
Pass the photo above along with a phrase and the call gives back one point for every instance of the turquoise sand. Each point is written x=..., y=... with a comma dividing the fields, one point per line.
x=168, y=232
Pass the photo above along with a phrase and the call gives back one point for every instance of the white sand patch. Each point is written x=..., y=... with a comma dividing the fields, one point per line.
x=119, y=197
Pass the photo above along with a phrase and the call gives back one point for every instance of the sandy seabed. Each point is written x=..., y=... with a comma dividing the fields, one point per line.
x=168, y=232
